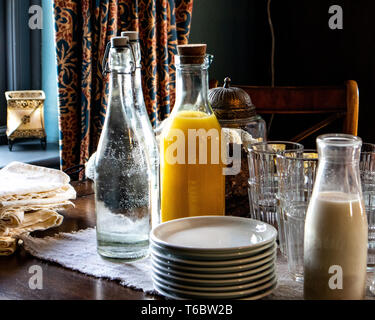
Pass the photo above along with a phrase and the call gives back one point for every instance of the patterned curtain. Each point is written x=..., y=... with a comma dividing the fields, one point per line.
x=83, y=28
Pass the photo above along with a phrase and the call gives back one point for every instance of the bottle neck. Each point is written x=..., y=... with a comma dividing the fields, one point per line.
x=338, y=168
x=192, y=88
x=137, y=79
x=137, y=52
x=120, y=82
x=120, y=94
x=341, y=177
x=139, y=102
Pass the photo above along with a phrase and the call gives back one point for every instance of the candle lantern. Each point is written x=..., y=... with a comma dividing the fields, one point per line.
x=25, y=116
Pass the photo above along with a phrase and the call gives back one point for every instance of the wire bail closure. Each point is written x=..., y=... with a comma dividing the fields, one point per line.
x=106, y=69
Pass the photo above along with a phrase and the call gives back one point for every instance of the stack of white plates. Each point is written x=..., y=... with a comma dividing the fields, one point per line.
x=214, y=257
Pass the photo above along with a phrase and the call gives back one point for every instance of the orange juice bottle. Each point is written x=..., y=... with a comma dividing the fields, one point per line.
x=192, y=178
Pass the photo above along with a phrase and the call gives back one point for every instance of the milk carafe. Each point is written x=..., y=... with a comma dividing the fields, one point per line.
x=335, y=244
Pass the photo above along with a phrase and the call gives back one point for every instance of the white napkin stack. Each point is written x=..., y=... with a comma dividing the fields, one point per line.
x=30, y=197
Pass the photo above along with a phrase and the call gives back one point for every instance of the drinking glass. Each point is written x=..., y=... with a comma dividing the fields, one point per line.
x=263, y=181
x=367, y=172
x=296, y=171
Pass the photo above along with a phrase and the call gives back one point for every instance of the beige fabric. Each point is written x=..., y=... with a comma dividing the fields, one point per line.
x=4, y=231
x=24, y=179
x=37, y=220
x=8, y=245
x=33, y=221
x=29, y=198
x=65, y=193
x=12, y=219
x=4, y=211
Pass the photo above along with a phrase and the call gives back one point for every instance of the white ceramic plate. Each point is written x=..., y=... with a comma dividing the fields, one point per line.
x=213, y=295
x=217, y=276
x=211, y=256
x=206, y=255
x=255, y=296
x=164, y=254
x=212, y=282
x=261, y=294
x=218, y=234
x=240, y=287
x=163, y=263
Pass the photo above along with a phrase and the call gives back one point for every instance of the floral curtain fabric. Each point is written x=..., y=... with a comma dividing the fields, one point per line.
x=83, y=28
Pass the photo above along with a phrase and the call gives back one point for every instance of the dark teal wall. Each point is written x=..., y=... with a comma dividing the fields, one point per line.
x=27, y=57
x=49, y=72
x=2, y=65
x=20, y=51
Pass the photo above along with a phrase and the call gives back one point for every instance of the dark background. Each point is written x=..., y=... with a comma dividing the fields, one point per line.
x=307, y=52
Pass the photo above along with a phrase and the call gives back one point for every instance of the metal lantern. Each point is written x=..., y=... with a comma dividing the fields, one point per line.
x=25, y=116
x=234, y=109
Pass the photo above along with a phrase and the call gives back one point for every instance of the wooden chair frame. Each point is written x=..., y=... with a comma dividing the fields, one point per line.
x=335, y=101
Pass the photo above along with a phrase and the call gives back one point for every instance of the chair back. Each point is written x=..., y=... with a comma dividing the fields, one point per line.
x=334, y=102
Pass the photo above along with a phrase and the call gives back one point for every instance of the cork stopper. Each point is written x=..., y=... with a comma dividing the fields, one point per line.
x=117, y=42
x=192, y=53
x=132, y=35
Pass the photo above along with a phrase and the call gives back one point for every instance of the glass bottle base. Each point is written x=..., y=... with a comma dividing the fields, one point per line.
x=123, y=251
x=297, y=277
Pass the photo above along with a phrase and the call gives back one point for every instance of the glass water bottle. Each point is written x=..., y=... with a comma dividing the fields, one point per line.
x=122, y=168
x=335, y=245
x=192, y=178
x=145, y=125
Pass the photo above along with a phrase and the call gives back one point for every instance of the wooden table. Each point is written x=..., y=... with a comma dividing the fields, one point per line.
x=59, y=282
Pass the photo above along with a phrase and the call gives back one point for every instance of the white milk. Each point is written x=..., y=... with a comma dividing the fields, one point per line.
x=335, y=235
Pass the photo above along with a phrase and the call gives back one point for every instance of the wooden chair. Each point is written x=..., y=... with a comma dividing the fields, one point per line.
x=334, y=102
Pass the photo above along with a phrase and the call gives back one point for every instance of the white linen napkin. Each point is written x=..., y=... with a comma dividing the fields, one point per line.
x=20, y=178
x=29, y=199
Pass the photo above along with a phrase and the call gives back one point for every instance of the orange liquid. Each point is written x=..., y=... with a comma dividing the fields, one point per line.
x=189, y=189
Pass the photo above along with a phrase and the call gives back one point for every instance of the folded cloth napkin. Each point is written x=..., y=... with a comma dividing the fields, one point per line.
x=37, y=220
x=32, y=221
x=29, y=199
x=4, y=231
x=8, y=245
x=13, y=210
x=63, y=194
x=12, y=219
x=24, y=179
